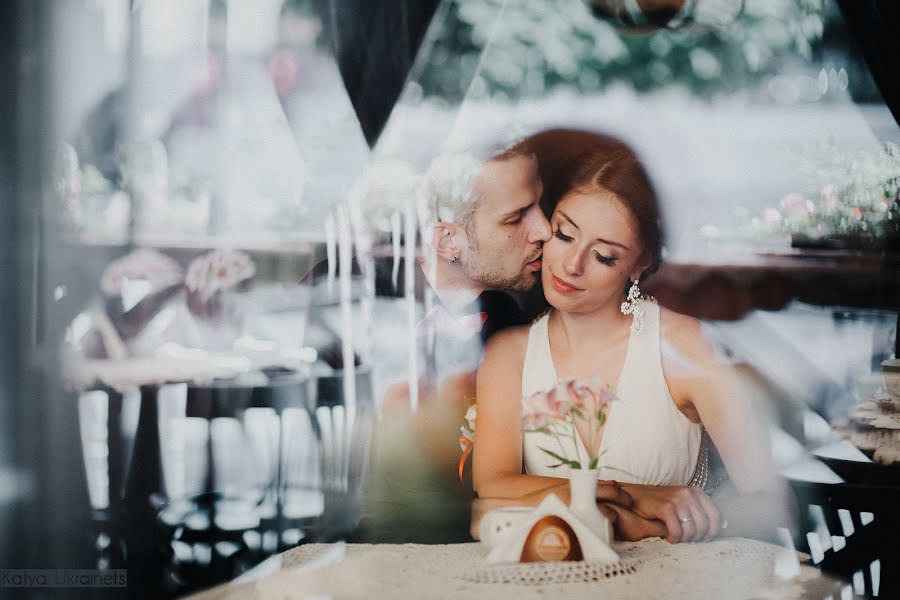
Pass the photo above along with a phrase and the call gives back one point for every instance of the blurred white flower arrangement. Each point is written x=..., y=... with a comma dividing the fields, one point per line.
x=218, y=271
x=853, y=203
x=857, y=202
x=384, y=189
x=217, y=283
x=151, y=268
x=91, y=205
x=166, y=199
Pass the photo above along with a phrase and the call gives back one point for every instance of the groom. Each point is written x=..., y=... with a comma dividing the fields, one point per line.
x=483, y=236
x=483, y=233
x=487, y=230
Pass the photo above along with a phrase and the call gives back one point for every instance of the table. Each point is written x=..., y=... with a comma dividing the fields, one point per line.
x=726, y=568
x=725, y=284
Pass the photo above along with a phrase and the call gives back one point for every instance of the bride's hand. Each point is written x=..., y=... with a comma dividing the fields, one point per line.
x=689, y=515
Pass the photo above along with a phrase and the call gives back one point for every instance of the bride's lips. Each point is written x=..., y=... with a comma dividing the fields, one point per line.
x=564, y=287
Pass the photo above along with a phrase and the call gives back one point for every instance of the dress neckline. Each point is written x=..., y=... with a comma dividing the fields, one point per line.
x=555, y=372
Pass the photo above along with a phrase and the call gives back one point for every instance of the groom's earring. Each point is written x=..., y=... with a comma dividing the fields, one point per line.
x=631, y=307
x=455, y=259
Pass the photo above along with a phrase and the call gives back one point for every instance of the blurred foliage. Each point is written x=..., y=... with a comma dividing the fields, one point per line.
x=858, y=196
x=534, y=46
x=852, y=201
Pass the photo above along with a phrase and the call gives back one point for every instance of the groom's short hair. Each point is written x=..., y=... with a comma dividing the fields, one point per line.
x=448, y=190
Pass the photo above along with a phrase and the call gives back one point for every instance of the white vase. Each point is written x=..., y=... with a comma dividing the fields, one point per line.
x=583, y=502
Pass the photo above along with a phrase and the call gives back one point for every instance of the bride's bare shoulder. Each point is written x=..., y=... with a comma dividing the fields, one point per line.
x=671, y=322
x=685, y=335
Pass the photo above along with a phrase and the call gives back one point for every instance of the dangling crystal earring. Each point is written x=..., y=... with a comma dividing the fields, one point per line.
x=631, y=307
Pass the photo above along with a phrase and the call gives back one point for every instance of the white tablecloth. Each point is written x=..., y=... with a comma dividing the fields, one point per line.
x=728, y=568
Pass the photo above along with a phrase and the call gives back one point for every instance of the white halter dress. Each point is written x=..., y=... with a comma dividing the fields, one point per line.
x=647, y=440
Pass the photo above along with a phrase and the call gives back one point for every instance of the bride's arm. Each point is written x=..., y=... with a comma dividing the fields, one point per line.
x=731, y=403
x=497, y=456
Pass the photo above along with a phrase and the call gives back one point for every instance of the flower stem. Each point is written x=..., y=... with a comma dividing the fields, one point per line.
x=575, y=440
x=562, y=450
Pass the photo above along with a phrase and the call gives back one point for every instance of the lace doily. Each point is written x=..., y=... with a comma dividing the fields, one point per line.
x=552, y=572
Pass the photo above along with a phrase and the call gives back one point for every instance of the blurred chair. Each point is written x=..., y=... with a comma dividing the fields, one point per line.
x=851, y=530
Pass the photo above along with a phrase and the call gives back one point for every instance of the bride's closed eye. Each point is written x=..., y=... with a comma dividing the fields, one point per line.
x=558, y=234
x=604, y=260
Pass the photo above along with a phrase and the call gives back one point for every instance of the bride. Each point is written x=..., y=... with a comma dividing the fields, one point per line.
x=670, y=383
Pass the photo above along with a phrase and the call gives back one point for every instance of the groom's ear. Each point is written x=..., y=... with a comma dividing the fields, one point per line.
x=444, y=240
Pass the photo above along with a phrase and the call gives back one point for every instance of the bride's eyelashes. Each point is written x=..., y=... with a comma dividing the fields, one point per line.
x=608, y=261
x=558, y=234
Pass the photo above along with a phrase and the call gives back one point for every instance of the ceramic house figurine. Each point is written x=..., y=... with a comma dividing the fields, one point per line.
x=550, y=532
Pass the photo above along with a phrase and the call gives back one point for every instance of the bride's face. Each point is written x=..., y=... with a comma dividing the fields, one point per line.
x=594, y=251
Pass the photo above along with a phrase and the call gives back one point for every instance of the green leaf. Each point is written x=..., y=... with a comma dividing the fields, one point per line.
x=563, y=460
x=545, y=430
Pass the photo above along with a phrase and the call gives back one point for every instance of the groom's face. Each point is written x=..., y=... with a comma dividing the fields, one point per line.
x=507, y=231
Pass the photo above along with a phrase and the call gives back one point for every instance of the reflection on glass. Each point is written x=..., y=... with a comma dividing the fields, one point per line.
x=194, y=131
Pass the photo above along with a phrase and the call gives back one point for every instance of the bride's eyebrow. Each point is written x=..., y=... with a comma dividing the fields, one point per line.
x=568, y=218
x=601, y=240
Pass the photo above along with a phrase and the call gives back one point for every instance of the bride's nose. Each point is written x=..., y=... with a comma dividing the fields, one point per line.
x=572, y=263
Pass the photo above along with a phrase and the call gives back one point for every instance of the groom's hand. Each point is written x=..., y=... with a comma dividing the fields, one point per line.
x=629, y=527
x=613, y=492
x=689, y=514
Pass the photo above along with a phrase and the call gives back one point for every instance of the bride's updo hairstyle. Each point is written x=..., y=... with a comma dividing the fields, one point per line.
x=611, y=166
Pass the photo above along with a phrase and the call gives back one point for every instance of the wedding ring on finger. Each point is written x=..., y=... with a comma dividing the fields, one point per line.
x=685, y=519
